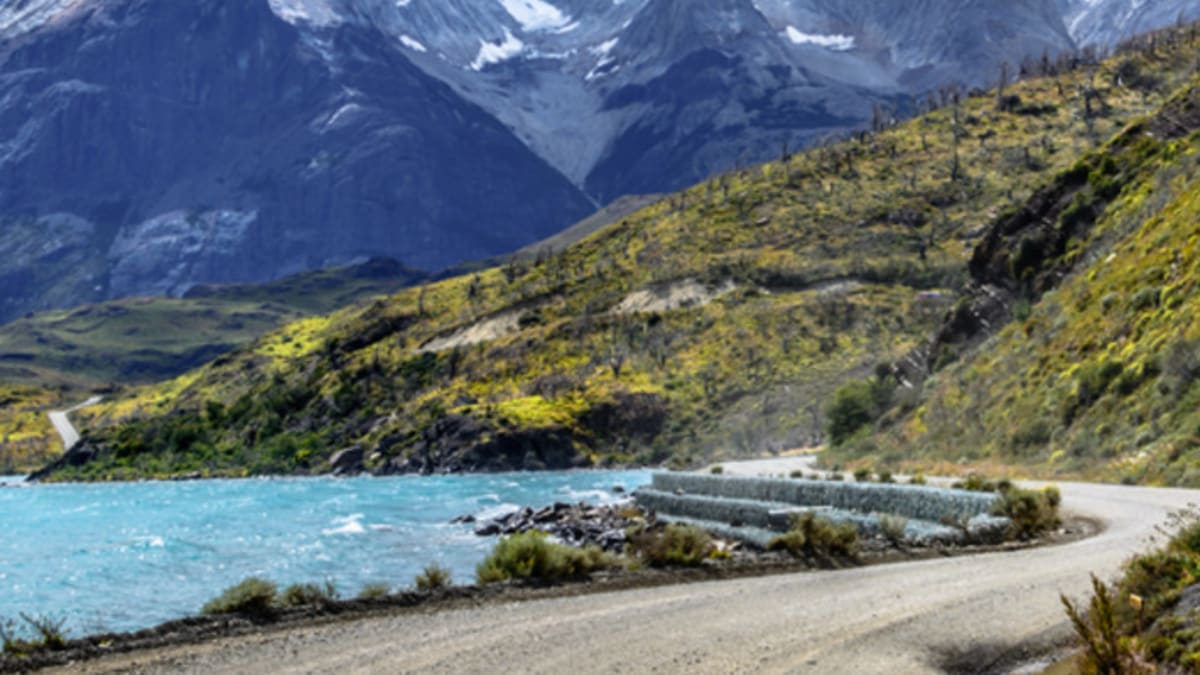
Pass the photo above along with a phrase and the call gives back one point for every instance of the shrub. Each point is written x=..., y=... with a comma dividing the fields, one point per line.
x=796, y=474
x=304, y=595
x=253, y=597
x=718, y=469
x=862, y=475
x=374, y=591
x=1031, y=512
x=852, y=409
x=531, y=555
x=885, y=476
x=676, y=545
x=434, y=577
x=48, y=630
x=976, y=483
x=917, y=478
x=893, y=527
x=1105, y=651
x=813, y=536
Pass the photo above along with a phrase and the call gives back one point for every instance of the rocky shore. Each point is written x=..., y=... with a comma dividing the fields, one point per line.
x=574, y=524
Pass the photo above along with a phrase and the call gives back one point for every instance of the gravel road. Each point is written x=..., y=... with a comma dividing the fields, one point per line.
x=62, y=422
x=900, y=618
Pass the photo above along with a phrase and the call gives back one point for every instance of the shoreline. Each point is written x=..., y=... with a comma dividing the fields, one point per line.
x=194, y=631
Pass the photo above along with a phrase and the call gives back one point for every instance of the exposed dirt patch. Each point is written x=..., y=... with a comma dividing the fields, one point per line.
x=501, y=325
x=681, y=294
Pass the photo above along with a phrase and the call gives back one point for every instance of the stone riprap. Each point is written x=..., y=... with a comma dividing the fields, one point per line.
x=757, y=505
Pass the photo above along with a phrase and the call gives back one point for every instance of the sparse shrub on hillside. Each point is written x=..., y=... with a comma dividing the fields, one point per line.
x=1135, y=625
x=862, y=474
x=717, y=470
x=676, y=545
x=432, y=578
x=811, y=535
x=917, y=478
x=532, y=556
x=253, y=597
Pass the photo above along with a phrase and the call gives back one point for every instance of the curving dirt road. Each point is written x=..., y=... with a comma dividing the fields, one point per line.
x=901, y=618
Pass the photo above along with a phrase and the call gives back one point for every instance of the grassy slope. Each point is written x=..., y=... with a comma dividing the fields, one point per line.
x=1099, y=377
x=831, y=257
x=50, y=360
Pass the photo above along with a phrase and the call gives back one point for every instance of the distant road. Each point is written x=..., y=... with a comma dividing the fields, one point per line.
x=898, y=618
x=62, y=422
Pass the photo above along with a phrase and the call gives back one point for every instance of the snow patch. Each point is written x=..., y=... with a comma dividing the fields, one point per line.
x=313, y=12
x=837, y=43
x=412, y=44
x=536, y=15
x=604, y=48
x=497, y=52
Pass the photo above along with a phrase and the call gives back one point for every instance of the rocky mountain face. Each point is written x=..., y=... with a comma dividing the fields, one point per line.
x=1108, y=22
x=149, y=146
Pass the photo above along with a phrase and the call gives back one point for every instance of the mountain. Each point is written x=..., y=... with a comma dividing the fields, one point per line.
x=281, y=135
x=715, y=322
x=1108, y=22
x=137, y=163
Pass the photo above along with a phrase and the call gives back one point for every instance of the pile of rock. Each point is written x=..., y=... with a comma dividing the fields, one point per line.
x=577, y=525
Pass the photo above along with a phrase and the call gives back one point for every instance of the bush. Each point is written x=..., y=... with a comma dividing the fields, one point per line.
x=374, y=591
x=813, y=536
x=253, y=597
x=306, y=595
x=718, y=469
x=885, y=476
x=852, y=409
x=48, y=631
x=1105, y=650
x=675, y=545
x=917, y=478
x=893, y=527
x=531, y=556
x=1031, y=512
x=862, y=475
x=975, y=483
x=434, y=577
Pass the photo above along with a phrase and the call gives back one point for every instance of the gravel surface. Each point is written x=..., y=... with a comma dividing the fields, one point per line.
x=912, y=617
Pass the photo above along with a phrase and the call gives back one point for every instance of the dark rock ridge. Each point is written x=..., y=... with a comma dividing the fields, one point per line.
x=148, y=146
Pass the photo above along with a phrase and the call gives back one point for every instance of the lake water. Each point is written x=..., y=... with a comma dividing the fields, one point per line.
x=131, y=555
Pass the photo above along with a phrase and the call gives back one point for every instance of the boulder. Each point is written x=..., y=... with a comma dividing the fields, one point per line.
x=347, y=461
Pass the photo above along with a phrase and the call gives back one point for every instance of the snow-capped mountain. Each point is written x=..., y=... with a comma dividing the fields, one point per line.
x=147, y=145
x=1107, y=22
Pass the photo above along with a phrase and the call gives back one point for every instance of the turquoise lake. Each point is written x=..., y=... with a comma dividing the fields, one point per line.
x=118, y=557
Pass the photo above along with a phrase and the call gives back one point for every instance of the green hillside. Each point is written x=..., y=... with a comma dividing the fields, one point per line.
x=717, y=321
x=1096, y=375
x=55, y=359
